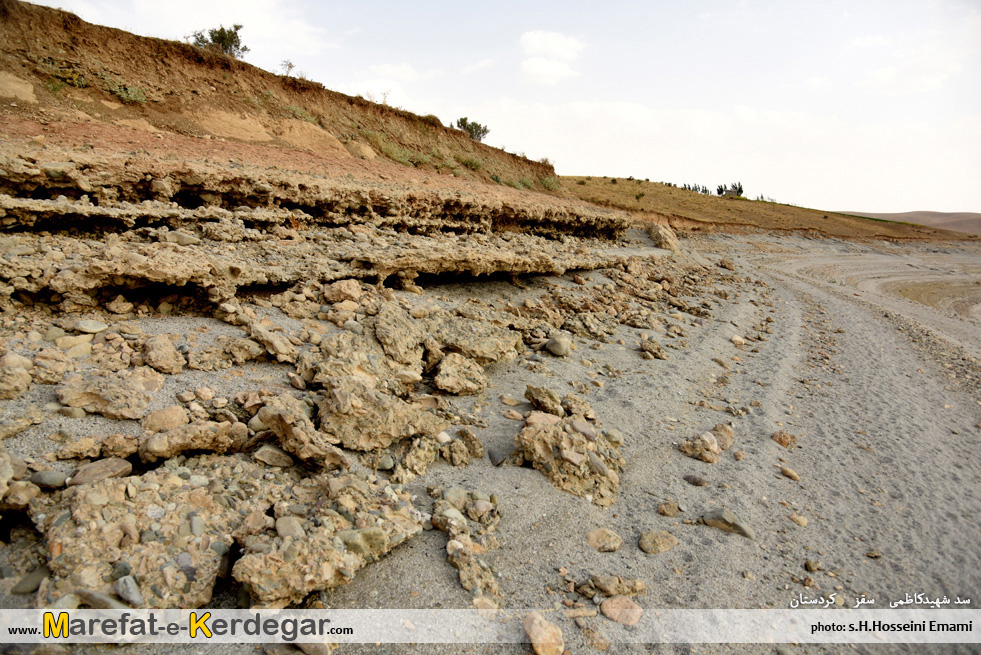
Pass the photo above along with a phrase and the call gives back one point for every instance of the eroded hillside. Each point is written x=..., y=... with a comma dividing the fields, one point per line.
x=57, y=65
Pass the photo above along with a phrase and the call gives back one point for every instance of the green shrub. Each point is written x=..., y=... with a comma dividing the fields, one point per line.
x=526, y=183
x=496, y=178
x=581, y=182
x=430, y=119
x=639, y=196
x=223, y=40
x=474, y=130
x=549, y=183
x=471, y=163
x=301, y=113
x=131, y=95
x=613, y=181
x=393, y=152
x=55, y=85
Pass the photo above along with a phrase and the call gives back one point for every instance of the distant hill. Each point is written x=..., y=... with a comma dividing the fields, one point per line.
x=958, y=221
x=692, y=211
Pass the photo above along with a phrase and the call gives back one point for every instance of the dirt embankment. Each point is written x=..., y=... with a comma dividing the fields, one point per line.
x=57, y=65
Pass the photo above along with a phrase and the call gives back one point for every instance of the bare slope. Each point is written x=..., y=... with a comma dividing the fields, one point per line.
x=688, y=210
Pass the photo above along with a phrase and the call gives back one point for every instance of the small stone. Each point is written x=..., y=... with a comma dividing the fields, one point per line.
x=90, y=327
x=49, y=479
x=545, y=399
x=812, y=566
x=204, y=394
x=99, y=601
x=604, y=540
x=615, y=437
x=185, y=396
x=559, y=345
x=622, y=610
x=20, y=493
x=96, y=499
x=669, y=509
x=198, y=526
x=160, y=353
x=53, y=333
x=111, y=467
x=784, y=439
x=873, y=554
x=728, y=521
x=497, y=456
x=167, y=418
x=30, y=582
x=695, y=480
x=127, y=589
x=66, y=602
x=594, y=637
x=799, y=520
x=14, y=382
x=289, y=526
x=789, y=473
x=408, y=377
x=460, y=375
x=67, y=342
x=273, y=455
x=657, y=541
x=72, y=412
x=121, y=568
x=737, y=340
x=545, y=637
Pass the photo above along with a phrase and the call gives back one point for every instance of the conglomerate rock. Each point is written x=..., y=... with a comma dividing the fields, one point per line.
x=360, y=417
x=123, y=395
x=573, y=458
x=287, y=418
x=170, y=528
x=346, y=522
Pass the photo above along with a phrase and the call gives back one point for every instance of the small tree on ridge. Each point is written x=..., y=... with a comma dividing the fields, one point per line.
x=221, y=39
x=474, y=130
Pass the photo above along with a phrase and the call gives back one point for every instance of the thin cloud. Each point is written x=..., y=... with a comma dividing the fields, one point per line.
x=549, y=56
x=546, y=71
x=483, y=64
x=551, y=45
x=402, y=72
x=869, y=41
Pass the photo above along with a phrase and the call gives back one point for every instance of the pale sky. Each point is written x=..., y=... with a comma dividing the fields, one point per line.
x=843, y=105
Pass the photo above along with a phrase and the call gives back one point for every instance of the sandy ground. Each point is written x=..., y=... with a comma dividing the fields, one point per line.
x=881, y=391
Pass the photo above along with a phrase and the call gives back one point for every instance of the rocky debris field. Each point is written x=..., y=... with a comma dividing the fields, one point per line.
x=255, y=389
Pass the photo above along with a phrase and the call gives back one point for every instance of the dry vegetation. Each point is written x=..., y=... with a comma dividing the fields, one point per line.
x=689, y=210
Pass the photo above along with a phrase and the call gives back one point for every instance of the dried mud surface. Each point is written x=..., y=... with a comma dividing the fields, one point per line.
x=229, y=385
